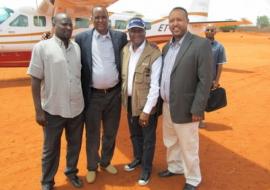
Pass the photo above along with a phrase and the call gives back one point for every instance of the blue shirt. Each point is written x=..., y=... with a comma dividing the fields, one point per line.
x=218, y=55
x=169, y=61
x=105, y=73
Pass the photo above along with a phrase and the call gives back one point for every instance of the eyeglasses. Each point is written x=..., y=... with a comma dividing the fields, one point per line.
x=210, y=30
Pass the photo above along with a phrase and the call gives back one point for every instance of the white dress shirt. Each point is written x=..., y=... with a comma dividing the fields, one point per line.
x=105, y=73
x=169, y=62
x=155, y=75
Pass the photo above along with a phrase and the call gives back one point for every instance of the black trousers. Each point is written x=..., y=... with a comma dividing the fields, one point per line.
x=143, y=138
x=104, y=108
x=52, y=143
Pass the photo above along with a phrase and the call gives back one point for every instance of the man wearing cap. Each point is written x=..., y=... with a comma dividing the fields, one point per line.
x=141, y=67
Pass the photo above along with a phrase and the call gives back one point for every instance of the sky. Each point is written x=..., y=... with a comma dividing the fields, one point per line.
x=218, y=9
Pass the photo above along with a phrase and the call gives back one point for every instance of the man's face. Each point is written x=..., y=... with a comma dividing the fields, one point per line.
x=210, y=32
x=178, y=23
x=100, y=20
x=63, y=28
x=136, y=35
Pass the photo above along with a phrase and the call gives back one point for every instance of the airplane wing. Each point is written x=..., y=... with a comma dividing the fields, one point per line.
x=216, y=23
x=80, y=8
x=224, y=22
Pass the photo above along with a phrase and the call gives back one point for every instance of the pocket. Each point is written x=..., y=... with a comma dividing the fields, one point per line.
x=139, y=73
x=142, y=97
x=143, y=74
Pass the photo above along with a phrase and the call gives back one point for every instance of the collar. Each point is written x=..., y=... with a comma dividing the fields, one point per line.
x=177, y=43
x=61, y=43
x=213, y=42
x=140, y=48
x=97, y=35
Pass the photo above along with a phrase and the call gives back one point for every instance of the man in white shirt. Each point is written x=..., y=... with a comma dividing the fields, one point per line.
x=100, y=57
x=141, y=67
x=55, y=71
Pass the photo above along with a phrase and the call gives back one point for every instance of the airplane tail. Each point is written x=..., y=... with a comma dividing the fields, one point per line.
x=45, y=7
x=199, y=10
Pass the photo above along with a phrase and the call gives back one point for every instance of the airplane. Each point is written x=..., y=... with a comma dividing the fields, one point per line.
x=21, y=29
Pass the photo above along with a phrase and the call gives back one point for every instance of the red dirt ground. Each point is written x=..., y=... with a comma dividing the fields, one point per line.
x=234, y=146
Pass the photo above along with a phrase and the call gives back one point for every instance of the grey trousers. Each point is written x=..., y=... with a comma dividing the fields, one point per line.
x=104, y=108
x=52, y=144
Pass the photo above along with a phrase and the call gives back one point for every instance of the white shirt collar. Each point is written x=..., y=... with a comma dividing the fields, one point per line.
x=97, y=35
x=140, y=49
x=178, y=43
x=61, y=43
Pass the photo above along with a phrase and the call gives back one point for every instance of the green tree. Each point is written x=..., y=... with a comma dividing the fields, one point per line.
x=228, y=28
x=263, y=21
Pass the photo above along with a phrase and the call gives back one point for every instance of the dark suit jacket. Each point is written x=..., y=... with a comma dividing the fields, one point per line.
x=190, y=80
x=84, y=39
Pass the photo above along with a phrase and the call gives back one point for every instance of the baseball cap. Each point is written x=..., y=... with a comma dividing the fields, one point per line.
x=136, y=23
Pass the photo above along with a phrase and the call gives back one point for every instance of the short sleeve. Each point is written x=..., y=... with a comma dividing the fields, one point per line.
x=36, y=66
x=222, y=55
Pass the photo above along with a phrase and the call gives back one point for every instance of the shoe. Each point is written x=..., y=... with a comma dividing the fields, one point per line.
x=131, y=166
x=189, y=187
x=75, y=181
x=110, y=169
x=167, y=173
x=47, y=187
x=144, y=178
x=91, y=176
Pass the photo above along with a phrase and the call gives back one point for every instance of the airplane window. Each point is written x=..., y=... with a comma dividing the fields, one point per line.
x=20, y=21
x=5, y=13
x=82, y=23
x=120, y=24
x=39, y=21
x=147, y=25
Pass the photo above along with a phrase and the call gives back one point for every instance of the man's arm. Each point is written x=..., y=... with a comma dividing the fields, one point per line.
x=221, y=60
x=204, y=72
x=36, y=87
x=153, y=94
x=216, y=81
x=36, y=71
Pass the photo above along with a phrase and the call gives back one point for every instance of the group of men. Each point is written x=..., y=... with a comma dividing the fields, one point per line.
x=84, y=82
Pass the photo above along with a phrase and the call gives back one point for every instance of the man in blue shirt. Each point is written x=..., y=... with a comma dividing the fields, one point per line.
x=218, y=54
x=219, y=57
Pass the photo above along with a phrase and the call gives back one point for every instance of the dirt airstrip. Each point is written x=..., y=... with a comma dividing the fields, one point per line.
x=234, y=146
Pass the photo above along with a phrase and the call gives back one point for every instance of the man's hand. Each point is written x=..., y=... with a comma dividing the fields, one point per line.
x=144, y=119
x=215, y=84
x=46, y=36
x=196, y=118
x=40, y=118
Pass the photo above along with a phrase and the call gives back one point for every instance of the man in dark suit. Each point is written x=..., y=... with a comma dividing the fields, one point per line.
x=185, y=85
x=100, y=57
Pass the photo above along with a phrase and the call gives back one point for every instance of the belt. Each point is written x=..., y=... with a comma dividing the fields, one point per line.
x=105, y=91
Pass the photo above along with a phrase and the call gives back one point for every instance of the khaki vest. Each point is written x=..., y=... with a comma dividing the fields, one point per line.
x=141, y=80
